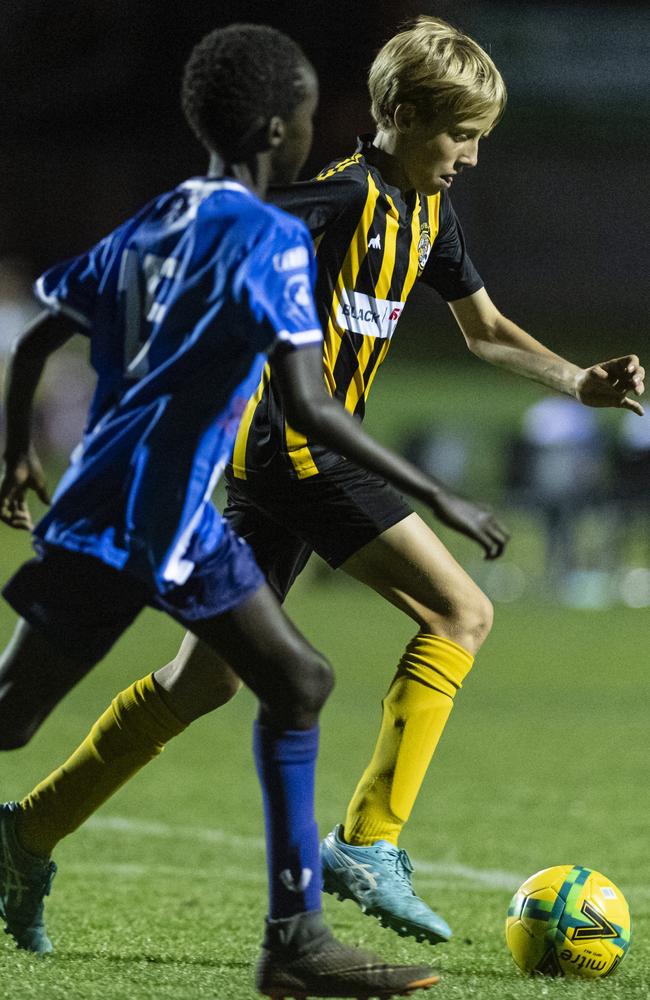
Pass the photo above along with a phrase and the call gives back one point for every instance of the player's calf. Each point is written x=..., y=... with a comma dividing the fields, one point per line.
x=196, y=681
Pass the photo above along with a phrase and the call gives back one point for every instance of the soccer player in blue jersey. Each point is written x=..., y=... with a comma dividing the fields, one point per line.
x=181, y=305
x=381, y=219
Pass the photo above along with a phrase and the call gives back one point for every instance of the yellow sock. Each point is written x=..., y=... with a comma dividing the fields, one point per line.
x=415, y=711
x=131, y=732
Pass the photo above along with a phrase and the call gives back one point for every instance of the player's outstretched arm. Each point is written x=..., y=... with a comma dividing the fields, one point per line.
x=494, y=338
x=22, y=470
x=310, y=410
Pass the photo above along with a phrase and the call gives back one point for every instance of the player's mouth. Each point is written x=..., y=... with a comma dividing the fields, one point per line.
x=447, y=179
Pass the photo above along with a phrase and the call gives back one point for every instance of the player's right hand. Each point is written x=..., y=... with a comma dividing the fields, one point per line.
x=608, y=383
x=475, y=520
x=20, y=475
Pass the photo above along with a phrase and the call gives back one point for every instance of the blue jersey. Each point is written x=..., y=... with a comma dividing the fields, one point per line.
x=181, y=304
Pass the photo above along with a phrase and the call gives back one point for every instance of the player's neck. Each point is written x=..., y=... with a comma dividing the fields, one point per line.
x=384, y=154
x=252, y=174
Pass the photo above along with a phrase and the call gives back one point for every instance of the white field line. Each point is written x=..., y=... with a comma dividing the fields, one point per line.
x=128, y=870
x=429, y=872
x=204, y=834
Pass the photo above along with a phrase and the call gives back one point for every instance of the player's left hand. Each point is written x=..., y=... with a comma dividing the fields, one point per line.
x=608, y=383
x=19, y=475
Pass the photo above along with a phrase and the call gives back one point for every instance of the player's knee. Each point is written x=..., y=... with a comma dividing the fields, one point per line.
x=322, y=682
x=315, y=684
x=475, y=621
x=467, y=620
x=311, y=682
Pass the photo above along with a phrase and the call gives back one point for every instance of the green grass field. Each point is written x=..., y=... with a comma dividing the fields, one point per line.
x=544, y=762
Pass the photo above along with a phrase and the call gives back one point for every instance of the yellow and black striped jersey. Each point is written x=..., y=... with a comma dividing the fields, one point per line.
x=372, y=243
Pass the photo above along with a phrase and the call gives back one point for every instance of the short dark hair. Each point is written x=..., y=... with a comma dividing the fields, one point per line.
x=236, y=79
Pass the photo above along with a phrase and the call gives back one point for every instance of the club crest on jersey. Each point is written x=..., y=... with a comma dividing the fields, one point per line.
x=424, y=246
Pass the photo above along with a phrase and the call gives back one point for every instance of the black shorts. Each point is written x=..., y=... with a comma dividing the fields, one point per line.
x=333, y=514
x=84, y=606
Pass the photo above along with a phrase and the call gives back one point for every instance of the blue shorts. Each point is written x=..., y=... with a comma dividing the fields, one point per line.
x=84, y=605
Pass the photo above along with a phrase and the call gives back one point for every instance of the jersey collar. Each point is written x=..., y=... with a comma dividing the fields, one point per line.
x=210, y=184
x=405, y=200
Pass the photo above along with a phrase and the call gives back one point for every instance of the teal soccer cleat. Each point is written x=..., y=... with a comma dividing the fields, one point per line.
x=25, y=881
x=378, y=879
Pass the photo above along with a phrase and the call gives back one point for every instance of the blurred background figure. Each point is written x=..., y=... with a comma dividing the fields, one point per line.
x=557, y=468
x=442, y=452
x=632, y=464
x=632, y=490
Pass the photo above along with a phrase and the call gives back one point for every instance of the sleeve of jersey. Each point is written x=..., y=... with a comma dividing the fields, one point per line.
x=277, y=282
x=71, y=287
x=318, y=202
x=449, y=269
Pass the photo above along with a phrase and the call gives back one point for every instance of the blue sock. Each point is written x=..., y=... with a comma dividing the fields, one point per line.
x=286, y=765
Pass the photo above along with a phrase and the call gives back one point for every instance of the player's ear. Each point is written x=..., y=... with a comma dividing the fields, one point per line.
x=276, y=131
x=404, y=116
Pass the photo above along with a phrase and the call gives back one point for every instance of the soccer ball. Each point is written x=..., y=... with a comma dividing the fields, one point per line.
x=568, y=921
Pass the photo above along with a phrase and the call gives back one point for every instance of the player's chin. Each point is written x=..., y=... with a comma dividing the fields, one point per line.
x=432, y=185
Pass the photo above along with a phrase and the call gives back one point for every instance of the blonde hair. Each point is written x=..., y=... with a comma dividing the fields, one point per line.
x=445, y=74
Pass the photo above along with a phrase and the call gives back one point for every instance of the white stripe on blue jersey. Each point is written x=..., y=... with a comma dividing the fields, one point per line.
x=181, y=303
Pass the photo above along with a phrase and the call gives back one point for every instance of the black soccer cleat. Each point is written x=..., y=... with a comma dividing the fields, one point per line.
x=301, y=958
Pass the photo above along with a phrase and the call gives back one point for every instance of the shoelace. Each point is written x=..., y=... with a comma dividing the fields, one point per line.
x=402, y=865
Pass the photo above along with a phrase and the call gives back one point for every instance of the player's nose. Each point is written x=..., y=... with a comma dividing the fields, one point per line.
x=469, y=156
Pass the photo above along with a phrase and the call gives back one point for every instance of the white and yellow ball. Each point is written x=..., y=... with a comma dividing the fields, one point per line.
x=568, y=921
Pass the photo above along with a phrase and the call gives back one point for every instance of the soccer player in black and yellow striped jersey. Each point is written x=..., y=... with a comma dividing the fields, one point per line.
x=381, y=219
x=373, y=242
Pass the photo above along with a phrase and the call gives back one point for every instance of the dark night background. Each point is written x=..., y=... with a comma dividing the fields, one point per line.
x=556, y=215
